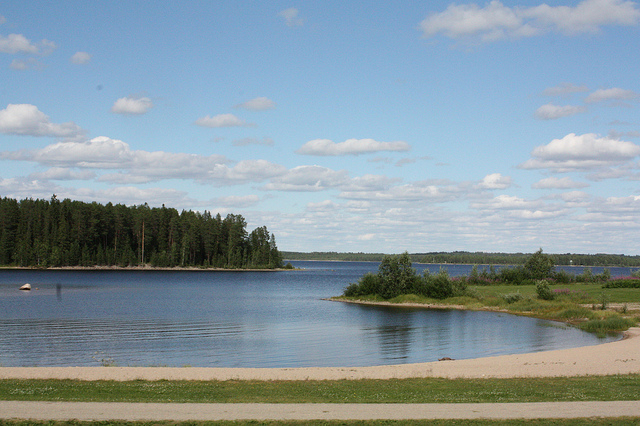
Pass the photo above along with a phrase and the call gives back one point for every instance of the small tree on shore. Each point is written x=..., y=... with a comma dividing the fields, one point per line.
x=539, y=265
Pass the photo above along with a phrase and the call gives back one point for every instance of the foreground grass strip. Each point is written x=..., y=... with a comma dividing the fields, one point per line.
x=618, y=421
x=432, y=390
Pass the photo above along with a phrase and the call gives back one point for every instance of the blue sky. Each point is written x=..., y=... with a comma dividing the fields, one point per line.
x=341, y=126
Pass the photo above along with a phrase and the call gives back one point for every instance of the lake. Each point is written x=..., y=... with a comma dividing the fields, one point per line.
x=246, y=319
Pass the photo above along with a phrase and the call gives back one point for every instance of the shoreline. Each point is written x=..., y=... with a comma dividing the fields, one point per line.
x=144, y=268
x=613, y=358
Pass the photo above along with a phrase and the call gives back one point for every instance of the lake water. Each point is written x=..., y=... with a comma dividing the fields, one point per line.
x=245, y=319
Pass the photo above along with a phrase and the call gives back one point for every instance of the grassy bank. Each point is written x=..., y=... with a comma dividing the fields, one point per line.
x=430, y=390
x=586, y=305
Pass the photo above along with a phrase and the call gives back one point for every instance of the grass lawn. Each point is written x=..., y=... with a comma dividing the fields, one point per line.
x=429, y=390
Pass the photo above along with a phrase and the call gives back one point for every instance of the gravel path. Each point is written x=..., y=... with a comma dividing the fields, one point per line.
x=98, y=411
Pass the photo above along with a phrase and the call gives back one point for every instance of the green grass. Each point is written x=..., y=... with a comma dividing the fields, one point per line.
x=430, y=390
x=592, y=291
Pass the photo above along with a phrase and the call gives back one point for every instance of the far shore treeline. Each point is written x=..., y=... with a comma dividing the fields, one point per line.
x=54, y=233
x=475, y=258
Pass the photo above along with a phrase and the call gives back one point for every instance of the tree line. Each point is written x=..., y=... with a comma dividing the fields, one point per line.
x=53, y=233
x=477, y=258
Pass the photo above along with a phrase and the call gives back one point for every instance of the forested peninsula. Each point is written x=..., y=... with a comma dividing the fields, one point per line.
x=475, y=258
x=54, y=233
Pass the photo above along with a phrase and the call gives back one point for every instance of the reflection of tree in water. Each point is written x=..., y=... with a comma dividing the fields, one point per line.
x=394, y=332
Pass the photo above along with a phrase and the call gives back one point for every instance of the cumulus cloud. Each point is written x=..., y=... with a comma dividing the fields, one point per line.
x=558, y=183
x=564, y=89
x=291, y=17
x=237, y=201
x=137, y=166
x=132, y=105
x=575, y=152
x=614, y=94
x=222, y=120
x=258, y=104
x=552, y=112
x=496, y=181
x=63, y=173
x=495, y=21
x=17, y=43
x=308, y=178
x=326, y=147
x=520, y=208
x=80, y=58
x=26, y=119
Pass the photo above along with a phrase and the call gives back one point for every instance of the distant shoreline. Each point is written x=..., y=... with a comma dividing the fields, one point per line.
x=145, y=268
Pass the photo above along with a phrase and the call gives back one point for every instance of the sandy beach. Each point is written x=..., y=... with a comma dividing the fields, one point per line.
x=619, y=357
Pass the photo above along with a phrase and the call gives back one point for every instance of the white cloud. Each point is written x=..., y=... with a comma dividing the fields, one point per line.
x=564, y=89
x=552, y=112
x=575, y=152
x=131, y=166
x=558, y=183
x=26, y=119
x=237, y=201
x=17, y=43
x=222, y=120
x=495, y=21
x=132, y=105
x=291, y=17
x=433, y=192
x=63, y=173
x=496, y=181
x=80, y=58
x=258, y=104
x=614, y=94
x=25, y=64
x=308, y=178
x=325, y=147
x=520, y=208
x=322, y=206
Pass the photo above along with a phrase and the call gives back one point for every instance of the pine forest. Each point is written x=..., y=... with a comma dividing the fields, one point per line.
x=54, y=233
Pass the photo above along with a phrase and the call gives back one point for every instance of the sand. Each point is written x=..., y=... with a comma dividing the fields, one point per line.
x=619, y=357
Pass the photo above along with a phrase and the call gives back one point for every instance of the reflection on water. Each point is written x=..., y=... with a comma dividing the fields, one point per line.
x=257, y=319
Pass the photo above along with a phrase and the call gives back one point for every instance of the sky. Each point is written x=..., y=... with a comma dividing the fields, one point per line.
x=360, y=126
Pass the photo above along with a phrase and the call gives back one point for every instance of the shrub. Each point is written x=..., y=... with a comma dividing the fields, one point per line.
x=543, y=290
x=512, y=297
x=438, y=286
x=622, y=283
x=609, y=324
x=562, y=277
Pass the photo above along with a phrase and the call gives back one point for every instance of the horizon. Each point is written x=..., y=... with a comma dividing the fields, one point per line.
x=493, y=127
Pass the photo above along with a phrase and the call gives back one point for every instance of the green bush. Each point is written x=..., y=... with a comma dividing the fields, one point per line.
x=543, y=290
x=438, y=286
x=562, y=277
x=512, y=297
x=622, y=283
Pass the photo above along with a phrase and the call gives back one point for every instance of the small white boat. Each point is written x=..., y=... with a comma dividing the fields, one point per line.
x=26, y=287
